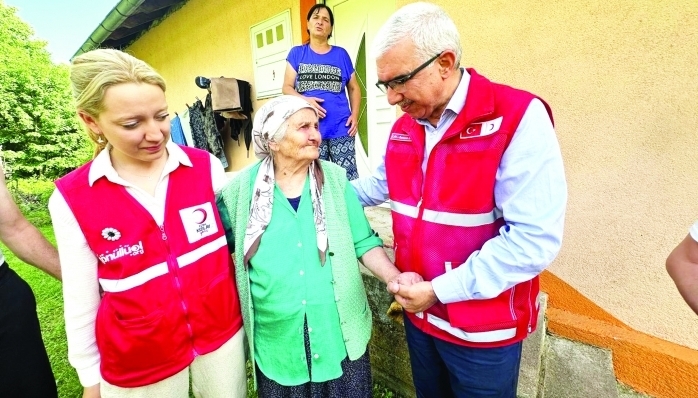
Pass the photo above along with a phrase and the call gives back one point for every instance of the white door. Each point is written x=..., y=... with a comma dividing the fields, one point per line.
x=355, y=25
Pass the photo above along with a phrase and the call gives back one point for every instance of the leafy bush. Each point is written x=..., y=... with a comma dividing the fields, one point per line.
x=39, y=131
x=31, y=195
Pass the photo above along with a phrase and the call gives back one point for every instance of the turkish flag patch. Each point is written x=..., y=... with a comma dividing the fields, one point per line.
x=482, y=129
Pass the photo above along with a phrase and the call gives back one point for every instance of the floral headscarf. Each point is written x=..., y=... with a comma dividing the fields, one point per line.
x=265, y=128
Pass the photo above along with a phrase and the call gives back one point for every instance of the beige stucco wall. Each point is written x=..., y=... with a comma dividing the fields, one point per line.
x=621, y=78
x=209, y=38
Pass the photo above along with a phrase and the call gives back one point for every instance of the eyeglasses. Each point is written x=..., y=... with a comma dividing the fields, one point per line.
x=399, y=82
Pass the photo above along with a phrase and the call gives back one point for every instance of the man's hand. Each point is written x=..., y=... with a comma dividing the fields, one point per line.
x=415, y=297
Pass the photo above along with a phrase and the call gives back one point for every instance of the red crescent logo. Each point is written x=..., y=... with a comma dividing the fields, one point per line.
x=202, y=215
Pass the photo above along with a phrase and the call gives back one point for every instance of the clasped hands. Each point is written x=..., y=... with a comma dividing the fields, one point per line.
x=412, y=292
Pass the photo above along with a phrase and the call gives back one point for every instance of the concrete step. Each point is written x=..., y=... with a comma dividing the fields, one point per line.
x=531, y=355
x=576, y=370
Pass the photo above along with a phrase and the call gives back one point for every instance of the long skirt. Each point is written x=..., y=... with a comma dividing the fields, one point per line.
x=355, y=381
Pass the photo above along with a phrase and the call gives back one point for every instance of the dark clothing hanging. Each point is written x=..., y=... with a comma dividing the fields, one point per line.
x=212, y=134
x=243, y=126
x=196, y=122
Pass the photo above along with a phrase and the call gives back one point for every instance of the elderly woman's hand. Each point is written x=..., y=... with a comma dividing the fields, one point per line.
x=405, y=279
x=315, y=102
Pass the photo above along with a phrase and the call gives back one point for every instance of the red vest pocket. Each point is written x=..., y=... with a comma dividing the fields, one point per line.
x=483, y=315
x=220, y=307
x=135, y=343
x=472, y=186
x=405, y=187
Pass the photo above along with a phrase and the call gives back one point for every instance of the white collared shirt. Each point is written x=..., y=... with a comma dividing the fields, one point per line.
x=530, y=190
x=79, y=264
x=694, y=231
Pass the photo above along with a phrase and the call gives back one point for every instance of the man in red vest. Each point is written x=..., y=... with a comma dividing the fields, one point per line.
x=25, y=370
x=477, y=190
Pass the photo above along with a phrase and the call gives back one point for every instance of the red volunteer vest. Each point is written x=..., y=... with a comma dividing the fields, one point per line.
x=440, y=219
x=169, y=292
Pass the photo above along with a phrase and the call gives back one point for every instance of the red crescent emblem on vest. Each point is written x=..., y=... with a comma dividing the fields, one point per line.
x=202, y=215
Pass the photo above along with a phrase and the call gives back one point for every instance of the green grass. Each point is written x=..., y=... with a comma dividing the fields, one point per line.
x=31, y=195
x=49, y=299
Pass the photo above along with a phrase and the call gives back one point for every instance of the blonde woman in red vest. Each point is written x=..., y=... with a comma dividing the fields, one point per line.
x=149, y=294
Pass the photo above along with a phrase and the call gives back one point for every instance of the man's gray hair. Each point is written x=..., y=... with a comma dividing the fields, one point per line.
x=428, y=26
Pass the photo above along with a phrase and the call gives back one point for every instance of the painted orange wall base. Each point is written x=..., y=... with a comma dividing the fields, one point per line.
x=648, y=364
x=567, y=298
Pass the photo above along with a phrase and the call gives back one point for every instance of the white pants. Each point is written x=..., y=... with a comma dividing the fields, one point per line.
x=218, y=374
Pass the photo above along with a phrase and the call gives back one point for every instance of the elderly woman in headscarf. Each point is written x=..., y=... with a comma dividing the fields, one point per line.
x=297, y=229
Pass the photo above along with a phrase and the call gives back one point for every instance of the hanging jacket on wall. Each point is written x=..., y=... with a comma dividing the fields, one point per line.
x=196, y=122
x=225, y=94
x=186, y=127
x=243, y=126
x=212, y=134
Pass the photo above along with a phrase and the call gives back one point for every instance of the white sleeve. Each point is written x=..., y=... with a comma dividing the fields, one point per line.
x=218, y=177
x=531, y=191
x=694, y=231
x=372, y=190
x=80, y=290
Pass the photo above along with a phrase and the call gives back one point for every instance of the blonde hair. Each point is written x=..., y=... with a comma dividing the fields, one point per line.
x=93, y=72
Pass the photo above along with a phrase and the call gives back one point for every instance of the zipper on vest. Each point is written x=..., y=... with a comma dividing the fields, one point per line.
x=413, y=248
x=174, y=269
x=530, y=307
x=418, y=222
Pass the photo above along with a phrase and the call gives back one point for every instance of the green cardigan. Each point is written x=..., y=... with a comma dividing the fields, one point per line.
x=354, y=312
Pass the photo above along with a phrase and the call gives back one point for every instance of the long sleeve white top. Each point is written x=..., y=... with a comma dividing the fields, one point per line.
x=694, y=231
x=530, y=190
x=81, y=296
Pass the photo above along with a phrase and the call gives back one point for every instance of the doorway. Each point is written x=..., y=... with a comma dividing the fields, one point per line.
x=354, y=28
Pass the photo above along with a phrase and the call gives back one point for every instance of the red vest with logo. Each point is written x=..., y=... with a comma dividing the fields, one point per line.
x=440, y=219
x=169, y=291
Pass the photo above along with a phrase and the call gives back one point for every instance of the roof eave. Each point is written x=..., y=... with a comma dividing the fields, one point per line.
x=111, y=22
